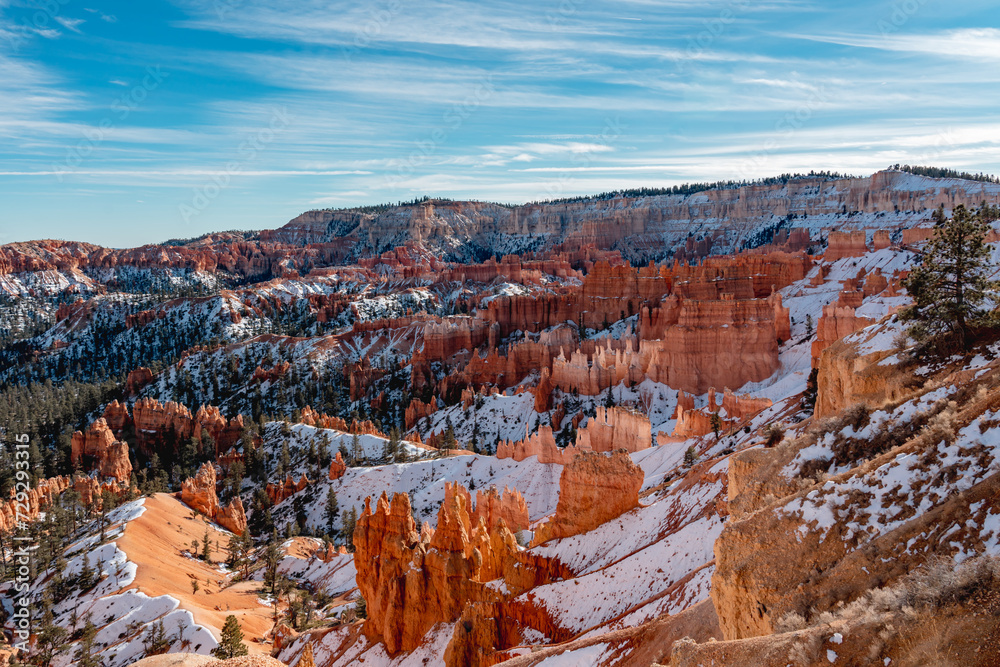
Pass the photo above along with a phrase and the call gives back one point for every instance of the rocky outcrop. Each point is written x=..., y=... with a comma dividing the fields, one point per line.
x=32, y=502
x=115, y=462
x=418, y=410
x=116, y=416
x=306, y=659
x=337, y=468
x=138, y=379
x=609, y=430
x=541, y=443
x=91, y=490
x=845, y=377
x=615, y=428
x=232, y=517
x=166, y=425
x=494, y=508
x=95, y=442
x=414, y=580
x=835, y=323
x=198, y=492
x=705, y=344
x=593, y=489
x=733, y=411
x=845, y=244
x=98, y=444
x=322, y=420
x=279, y=492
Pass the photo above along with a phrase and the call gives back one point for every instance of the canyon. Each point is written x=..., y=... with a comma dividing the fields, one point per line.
x=669, y=429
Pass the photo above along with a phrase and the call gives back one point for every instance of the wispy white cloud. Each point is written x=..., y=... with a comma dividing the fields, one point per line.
x=976, y=44
x=70, y=24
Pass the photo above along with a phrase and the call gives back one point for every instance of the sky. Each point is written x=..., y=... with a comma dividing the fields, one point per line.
x=123, y=123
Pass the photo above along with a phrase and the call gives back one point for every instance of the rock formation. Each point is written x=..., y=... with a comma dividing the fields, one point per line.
x=115, y=462
x=138, y=379
x=199, y=494
x=98, y=444
x=836, y=322
x=593, y=489
x=733, y=411
x=34, y=501
x=845, y=244
x=615, y=428
x=279, y=492
x=337, y=467
x=168, y=424
x=232, y=516
x=417, y=410
x=414, y=580
x=322, y=420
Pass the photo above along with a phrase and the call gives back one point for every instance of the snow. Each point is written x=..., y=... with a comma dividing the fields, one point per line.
x=906, y=480
x=589, y=655
x=831, y=656
x=123, y=617
x=335, y=577
x=634, y=560
x=424, y=481
x=430, y=652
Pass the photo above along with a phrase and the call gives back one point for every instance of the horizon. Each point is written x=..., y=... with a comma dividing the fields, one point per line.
x=133, y=125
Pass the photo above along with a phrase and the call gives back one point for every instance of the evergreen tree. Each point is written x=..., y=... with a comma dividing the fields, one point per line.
x=355, y=449
x=716, y=423
x=332, y=511
x=392, y=449
x=348, y=522
x=206, y=549
x=156, y=642
x=949, y=288
x=809, y=395
x=86, y=577
x=84, y=656
x=238, y=553
x=272, y=556
x=231, y=644
x=690, y=456
x=50, y=641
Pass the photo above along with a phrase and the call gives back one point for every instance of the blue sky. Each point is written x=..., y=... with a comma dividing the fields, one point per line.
x=124, y=123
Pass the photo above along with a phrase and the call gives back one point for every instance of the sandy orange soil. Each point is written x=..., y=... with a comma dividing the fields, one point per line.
x=155, y=542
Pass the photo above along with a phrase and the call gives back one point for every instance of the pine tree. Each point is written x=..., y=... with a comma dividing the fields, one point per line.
x=716, y=423
x=348, y=522
x=156, y=642
x=690, y=456
x=949, y=288
x=206, y=548
x=332, y=511
x=272, y=556
x=84, y=656
x=355, y=449
x=50, y=642
x=86, y=576
x=231, y=643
